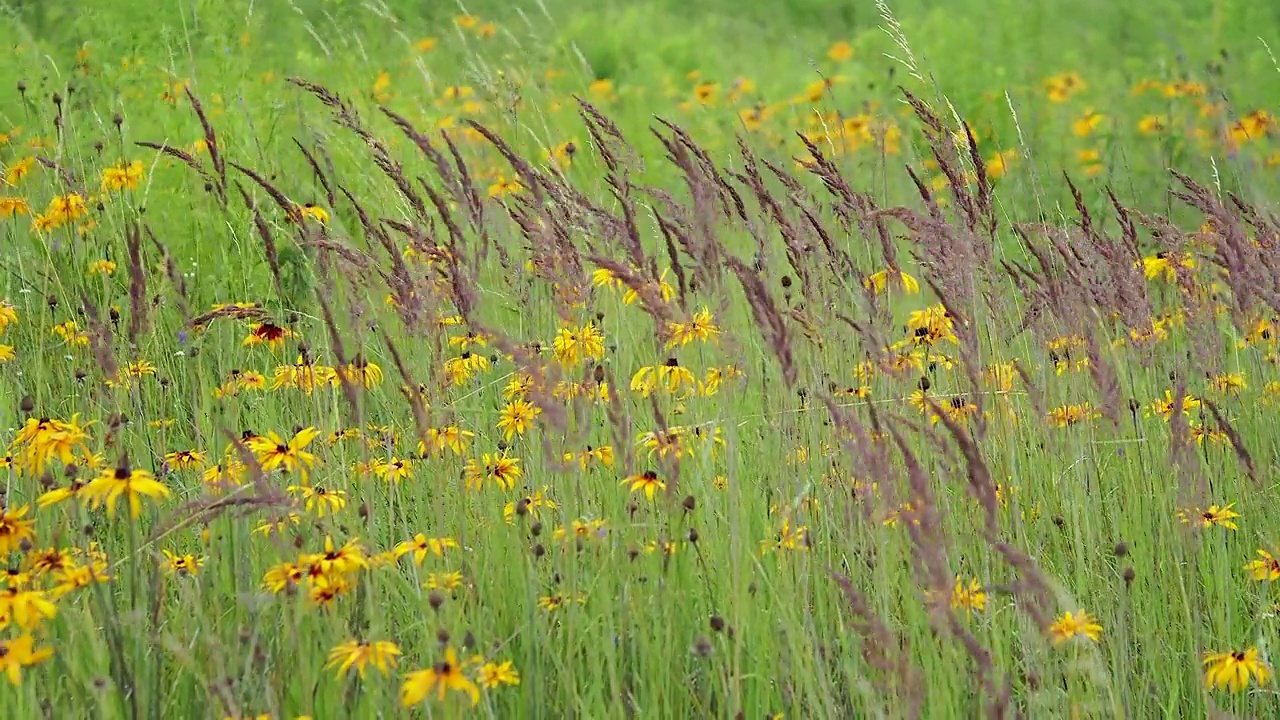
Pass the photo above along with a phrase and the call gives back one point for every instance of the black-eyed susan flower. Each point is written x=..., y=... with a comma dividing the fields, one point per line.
x=517, y=387
x=101, y=266
x=326, y=590
x=269, y=334
x=568, y=391
x=469, y=340
x=699, y=328
x=320, y=500
x=1153, y=124
x=670, y=377
x=47, y=561
x=1061, y=88
x=311, y=211
x=420, y=546
x=663, y=443
x=789, y=537
x=1163, y=406
x=572, y=346
x=1068, y=415
x=274, y=453
x=443, y=677
x=305, y=375
x=445, y=581
x=1207, y=433
x=15, y=529
x=340, y=560
x=381, y=436
x=228, y=473
x=361, y=654
x=283, y=575
x=517, y=417
x=1070, y=625
x=552, y=603
x=1167, y=265
x=1088, y=121
x=1233, y=671
x=8, y=315
x=27, y=609
x=504, y=186
x=606, y=278
x=15, y=171
x=582, y=528
x=392, y=470
x=882, y=281
x=646, y=482
x=19, y=653
x=350, y=433
x=184, y=459
x=840, y=51
x=968, y=597
x=132, y=484
x=449, y=437
x=497, y=468
x=459, y=370
x=1266, y=568
x=277, y=525
x=664, y=288
x=562, y=154
x=361, y=372
x=61, y=494
x=602, y=456
x=75, y=577
x=62, y=210
x=185, y=564
x=531, y=505
x=1228, y=383
x=931, y=325
x=491, y=675
x=41, y=440
x=123, y=176
x=1222, y=516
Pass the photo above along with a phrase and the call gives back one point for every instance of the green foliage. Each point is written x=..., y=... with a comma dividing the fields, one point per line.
x=750, y=615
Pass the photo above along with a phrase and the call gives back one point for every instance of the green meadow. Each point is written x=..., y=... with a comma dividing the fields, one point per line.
x=639, y=359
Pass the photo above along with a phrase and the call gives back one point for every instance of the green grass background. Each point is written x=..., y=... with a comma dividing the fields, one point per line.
x=627, y=649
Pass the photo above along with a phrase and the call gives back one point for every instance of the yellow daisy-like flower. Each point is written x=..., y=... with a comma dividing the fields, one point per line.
x=122, y=176
x=1070, y=625
x=882, y=281
x=647, y=482
x=319, y=500
x=421, y=546
x=361, y=654
x=124, y=482
x=442, y=677
x=517, y=417
x=274, y=453
x=187, y=564
x=1232, y=671
x=498, y=468
x=574, y=345
x=1222, y=516
x=968, y=597
x=1264, y=569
